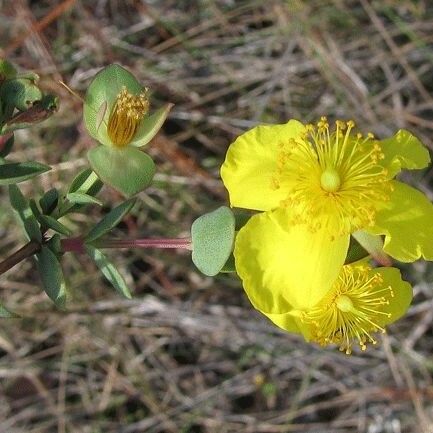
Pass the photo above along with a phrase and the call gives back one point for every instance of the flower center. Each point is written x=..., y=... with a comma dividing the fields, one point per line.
x=330, y=180
x=352, y=310
x=333, y=176
x=125, y=116
x=344, y=303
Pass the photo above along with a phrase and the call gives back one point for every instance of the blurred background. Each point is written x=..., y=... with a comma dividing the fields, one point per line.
x=189, y=354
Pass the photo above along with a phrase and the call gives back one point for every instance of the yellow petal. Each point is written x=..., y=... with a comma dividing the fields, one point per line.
x=406, y=221
x=402, y=294
x=403, y=150
x=284, y=321
x=251, y=163
x=286, y=267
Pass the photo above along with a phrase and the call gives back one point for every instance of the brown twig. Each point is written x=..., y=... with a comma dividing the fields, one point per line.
x=18, y=256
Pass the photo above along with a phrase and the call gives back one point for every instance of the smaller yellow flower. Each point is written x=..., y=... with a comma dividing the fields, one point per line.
x=287, y=280
x=354, y=309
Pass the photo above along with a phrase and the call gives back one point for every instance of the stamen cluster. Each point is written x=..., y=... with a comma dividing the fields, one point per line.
x=333, y=174
x=125, y=116
x=353, y=310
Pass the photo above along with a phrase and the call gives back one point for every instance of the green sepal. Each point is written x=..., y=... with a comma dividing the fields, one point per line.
x=49, y=201
x=15, y=172
x=128, y=170
x=373, y=245
x=212, y=238
x=82, y=199
x=6, y=145
x=25, y=213
x=242, y=216
x=355, y=252
x=109, y=221
x=51, y=274
x=109, y=271
x=150, y=125
x=229, y=265
x=101, y=96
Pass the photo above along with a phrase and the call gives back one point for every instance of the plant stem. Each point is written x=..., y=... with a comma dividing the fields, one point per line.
x=24, y=252
x=77, y=244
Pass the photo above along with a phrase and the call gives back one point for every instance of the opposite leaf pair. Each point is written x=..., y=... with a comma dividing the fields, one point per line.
x=316, y=186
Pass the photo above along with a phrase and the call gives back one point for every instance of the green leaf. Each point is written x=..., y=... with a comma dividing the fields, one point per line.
x=109, y=271
x=34, y=208
x=29, y=221
x=51, y=274
x=149, y=126
x=20, y=93
x=51, y=223
x=15, y=172
x=212, y=240
x=127, y=170
x=55, y=245
x=38, y=112
x=7, y=70
x=80, y=198
x=109, y=221
x=102, y=92
x=86, y=182
x=49, y=201
x=6, y=144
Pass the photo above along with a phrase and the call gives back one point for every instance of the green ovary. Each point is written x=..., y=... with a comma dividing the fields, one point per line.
x=330, y=180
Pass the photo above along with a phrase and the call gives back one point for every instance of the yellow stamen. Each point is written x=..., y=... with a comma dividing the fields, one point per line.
x=333, y=174
x=125, y=116
x=352, y=310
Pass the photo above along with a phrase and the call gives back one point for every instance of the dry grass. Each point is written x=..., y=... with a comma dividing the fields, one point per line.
x=189, y=354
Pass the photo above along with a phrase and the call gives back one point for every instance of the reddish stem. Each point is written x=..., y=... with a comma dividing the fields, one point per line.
x=77, y=244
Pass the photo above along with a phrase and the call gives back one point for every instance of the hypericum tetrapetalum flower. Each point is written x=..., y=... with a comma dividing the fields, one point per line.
x=336, y=179
x=116, y=114
x=330, y=304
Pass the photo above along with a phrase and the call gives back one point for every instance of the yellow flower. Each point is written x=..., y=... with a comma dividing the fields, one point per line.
x=334, y=179
x=316, y=186
x=287, y=280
